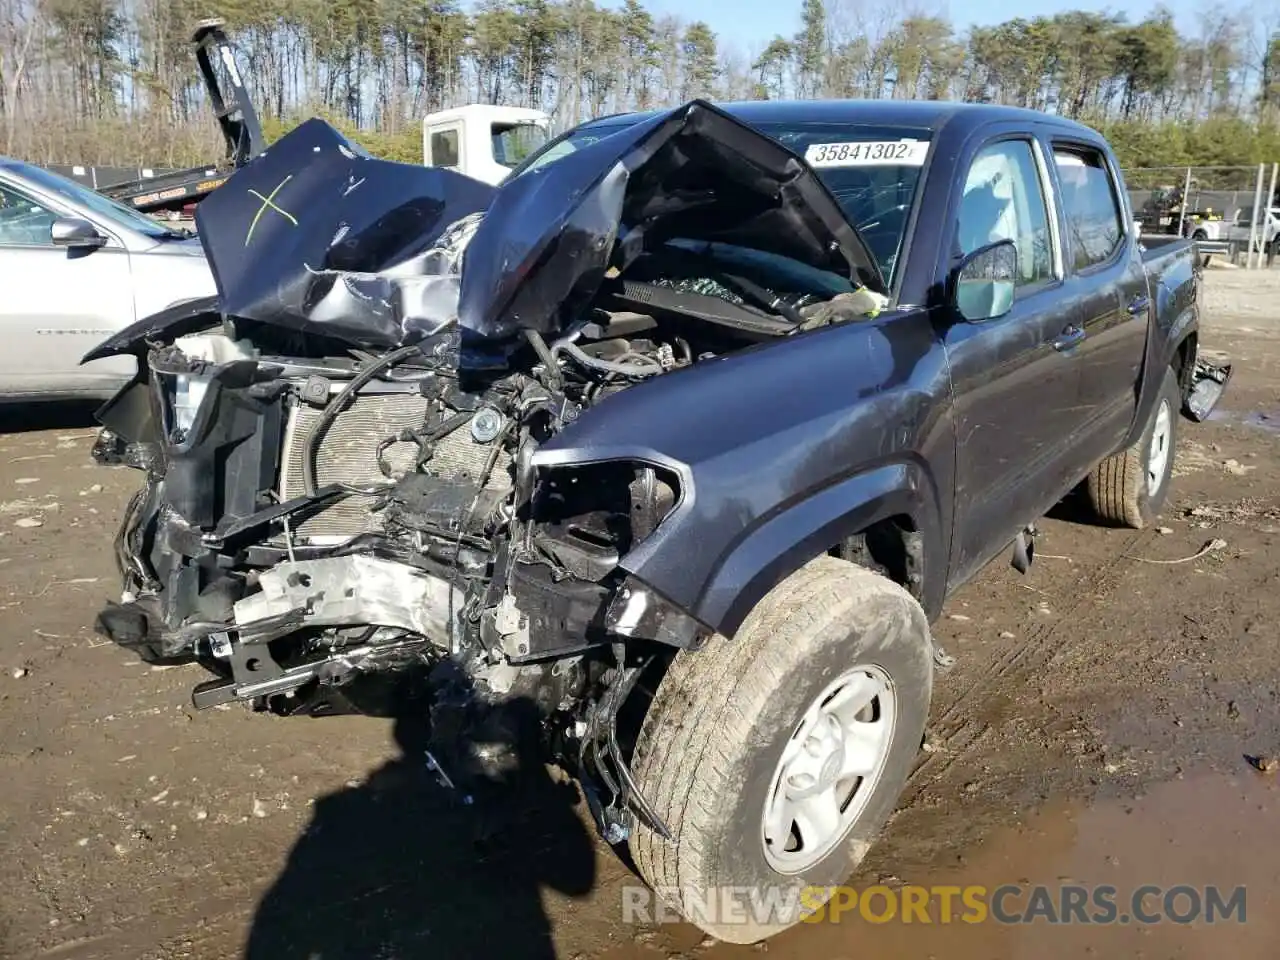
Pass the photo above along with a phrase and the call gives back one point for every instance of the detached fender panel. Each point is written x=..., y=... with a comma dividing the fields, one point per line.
x=781, y=451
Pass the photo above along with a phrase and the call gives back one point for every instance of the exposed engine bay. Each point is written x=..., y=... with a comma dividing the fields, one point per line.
x=348, y=475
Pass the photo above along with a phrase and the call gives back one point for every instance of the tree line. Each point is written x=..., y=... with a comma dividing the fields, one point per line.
x=113, y=81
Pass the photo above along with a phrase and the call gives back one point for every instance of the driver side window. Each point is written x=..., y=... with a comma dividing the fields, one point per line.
x=23, y=222
x=1003, y=199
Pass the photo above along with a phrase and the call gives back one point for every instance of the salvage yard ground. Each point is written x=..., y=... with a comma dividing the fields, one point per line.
x=1094, y=730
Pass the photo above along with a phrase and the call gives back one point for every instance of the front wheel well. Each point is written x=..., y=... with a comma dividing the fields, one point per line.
x=892, y=547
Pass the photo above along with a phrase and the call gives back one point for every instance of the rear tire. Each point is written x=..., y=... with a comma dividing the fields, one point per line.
x=710, y=752
x=1129, y=488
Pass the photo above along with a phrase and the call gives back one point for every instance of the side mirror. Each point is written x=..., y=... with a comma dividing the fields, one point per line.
x=75, y=234
x=984, y=283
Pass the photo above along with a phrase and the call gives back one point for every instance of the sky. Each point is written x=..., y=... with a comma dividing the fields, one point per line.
x=747, y=25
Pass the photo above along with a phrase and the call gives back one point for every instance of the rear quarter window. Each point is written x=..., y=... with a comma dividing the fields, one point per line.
x=444, y=148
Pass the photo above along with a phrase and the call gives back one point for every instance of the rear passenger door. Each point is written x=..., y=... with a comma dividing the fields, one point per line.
x=1106, y=278
x=1015, y=378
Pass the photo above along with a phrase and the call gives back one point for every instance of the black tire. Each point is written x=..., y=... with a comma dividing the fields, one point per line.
x=1121, y=487
x=713, y=737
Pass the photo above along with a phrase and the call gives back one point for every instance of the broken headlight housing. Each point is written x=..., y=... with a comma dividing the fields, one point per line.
x=585, y=520
x=180, y=397
x=188, y=395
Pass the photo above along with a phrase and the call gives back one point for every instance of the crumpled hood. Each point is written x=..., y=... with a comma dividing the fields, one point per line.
x=317, y=236
x=694, y=172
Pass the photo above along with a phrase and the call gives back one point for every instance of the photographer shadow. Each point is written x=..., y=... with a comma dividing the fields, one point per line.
x=400, y=867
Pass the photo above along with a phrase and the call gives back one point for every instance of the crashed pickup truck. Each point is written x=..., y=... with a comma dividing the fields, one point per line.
x=679, y=439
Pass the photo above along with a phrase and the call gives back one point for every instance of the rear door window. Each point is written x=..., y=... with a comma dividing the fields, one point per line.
x=444, y=148
x=1090, y=206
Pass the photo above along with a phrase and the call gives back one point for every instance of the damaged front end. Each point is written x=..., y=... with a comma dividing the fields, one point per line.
x=300, y=539
x=345, y=456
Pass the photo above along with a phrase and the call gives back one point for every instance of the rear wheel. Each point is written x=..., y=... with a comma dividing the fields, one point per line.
x=777, y=756
x=1129, y=488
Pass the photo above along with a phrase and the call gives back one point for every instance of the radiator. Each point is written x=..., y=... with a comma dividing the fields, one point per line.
x=347, y=453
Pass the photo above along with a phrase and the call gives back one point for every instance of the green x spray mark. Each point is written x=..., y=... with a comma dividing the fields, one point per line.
x=269, y=202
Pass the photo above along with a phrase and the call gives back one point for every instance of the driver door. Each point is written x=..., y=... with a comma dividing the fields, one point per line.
x=1015, y=377
x=58, y=303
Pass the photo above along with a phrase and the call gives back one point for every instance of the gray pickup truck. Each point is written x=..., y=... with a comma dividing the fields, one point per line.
x=79, y=267
x=660, y=456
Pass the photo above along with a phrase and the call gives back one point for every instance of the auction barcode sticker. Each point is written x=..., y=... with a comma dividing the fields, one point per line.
x=868, y=153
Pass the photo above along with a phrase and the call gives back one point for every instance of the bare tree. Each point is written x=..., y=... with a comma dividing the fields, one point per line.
x=22, y=19
x=93, y=81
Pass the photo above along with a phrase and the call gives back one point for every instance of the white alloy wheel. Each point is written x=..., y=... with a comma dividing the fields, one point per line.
x=828, y=769
x=1158, y=451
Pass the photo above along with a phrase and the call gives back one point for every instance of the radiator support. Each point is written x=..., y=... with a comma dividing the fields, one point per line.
x=347, y=453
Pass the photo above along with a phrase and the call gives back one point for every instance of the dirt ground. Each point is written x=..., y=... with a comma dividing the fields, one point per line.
x=1095, y=729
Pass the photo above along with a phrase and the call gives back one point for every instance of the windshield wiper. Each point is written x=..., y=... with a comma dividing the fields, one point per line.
x=762, y=298
x=748, y=290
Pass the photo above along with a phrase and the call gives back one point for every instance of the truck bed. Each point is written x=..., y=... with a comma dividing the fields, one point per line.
x=1155, y=246
x=232, y=108
x=171, y=191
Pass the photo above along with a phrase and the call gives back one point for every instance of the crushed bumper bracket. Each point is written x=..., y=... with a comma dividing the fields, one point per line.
x=1208, y=383
x=601, y=751
x=254, y=673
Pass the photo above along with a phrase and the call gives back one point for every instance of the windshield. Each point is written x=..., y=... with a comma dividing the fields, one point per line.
x=99, y=204
x=512, y=142
x=871, y=170
x=567, y=143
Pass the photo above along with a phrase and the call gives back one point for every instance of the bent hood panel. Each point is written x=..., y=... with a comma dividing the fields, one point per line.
x=694, y=173
x=318, y=236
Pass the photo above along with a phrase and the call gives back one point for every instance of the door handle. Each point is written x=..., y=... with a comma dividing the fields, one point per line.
x=1138, y=305
x=1068, y=338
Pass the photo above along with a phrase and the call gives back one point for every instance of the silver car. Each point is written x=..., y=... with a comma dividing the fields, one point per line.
x=77, y=267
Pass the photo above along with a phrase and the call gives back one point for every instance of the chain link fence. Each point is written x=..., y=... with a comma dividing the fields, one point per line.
x=1227, y=209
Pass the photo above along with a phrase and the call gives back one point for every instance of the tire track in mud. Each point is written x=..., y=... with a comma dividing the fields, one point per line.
x=958, y=726
x=208, y=926
x=212, y=926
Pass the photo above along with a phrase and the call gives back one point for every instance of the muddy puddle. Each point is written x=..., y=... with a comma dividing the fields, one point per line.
x=1268, y=420
x=1168, y=874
